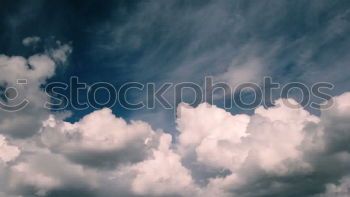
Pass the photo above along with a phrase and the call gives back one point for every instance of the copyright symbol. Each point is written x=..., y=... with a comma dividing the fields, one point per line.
x=10, y=94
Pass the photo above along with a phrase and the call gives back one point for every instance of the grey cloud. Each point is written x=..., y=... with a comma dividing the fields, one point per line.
x=35, y=70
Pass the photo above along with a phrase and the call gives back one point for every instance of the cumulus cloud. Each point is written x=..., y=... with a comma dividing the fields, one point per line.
x=208, y=135
x=162, y=174
x=100, y=139
x=26, y=75
x=267, y=143
x=276, y=151
x=279, y=148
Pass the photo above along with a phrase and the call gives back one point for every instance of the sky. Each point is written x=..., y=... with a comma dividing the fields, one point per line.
x=193, y=148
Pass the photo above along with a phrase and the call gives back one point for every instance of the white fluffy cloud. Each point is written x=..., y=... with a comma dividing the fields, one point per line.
x=271, y=152
x=221, y=140
x=139, y=154
x=100, y=139
x=162, y=174
x=8, y=152
x=261, y=152
x=32, y=73
x=255, y=155
x=212, y=136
